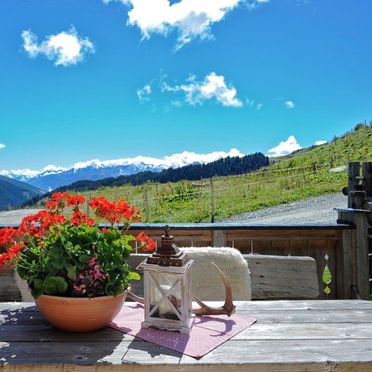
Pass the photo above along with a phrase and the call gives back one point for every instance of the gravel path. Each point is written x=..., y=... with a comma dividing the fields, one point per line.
x=319, y=210
x=15, y=217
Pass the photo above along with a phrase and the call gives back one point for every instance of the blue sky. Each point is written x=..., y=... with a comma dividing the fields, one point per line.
x=90, y=79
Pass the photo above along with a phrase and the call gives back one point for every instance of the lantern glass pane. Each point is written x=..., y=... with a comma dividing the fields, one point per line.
x=166, y=296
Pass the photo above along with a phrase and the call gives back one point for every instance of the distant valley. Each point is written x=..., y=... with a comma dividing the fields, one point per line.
x=14, y=193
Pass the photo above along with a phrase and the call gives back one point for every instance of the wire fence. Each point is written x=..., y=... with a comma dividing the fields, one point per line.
x=205, y=199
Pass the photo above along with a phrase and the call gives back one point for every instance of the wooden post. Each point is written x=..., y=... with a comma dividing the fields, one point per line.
x=355, y=254
x=88, y=209
x=212, y=199
x=219, y=238
x=146, y=203
x=354, y=172
x=358, y=199
x=367, y=178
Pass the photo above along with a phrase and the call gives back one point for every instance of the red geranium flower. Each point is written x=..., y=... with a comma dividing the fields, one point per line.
x=146, y=243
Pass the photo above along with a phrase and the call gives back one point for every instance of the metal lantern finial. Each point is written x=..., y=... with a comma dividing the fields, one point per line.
x=167, y=283
x=167, y=253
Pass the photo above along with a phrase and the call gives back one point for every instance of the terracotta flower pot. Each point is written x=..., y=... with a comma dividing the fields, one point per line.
x=76, y=314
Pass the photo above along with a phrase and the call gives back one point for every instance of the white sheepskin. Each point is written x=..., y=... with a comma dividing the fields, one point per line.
x=207, y=283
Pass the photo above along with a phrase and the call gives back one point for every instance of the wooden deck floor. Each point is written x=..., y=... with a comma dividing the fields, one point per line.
x=288, y=336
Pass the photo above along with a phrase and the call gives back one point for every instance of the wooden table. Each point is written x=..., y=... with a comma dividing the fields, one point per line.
x=288, y=336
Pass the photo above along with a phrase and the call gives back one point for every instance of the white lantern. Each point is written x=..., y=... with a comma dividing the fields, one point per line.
x=167, y=287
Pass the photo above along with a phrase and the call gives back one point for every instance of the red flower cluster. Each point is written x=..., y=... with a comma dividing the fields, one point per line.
x=114, y=212
x=79, y=218
x=57, y=202
x=146, y=243
x=38, y=225
x=8, y=245
x=6, y=236
x=75, y=200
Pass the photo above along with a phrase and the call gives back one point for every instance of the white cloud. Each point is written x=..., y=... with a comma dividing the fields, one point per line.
x=65, y=49
x=144, y=93
x=289, y=104
x=254, y=4
x=29, y=173
x=285, y=147
x=2, y=146
x=320, y=142
x=212, y=87
x=190, y=18
x=172, y=161
x=253, y=104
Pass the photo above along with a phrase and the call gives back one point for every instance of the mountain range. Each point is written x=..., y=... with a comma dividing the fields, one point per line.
x=13, y=192
x=52, y=177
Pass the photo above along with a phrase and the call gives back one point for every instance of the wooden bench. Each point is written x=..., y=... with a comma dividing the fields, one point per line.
x=283, y=277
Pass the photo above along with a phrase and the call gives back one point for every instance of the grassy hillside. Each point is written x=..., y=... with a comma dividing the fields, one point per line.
x=13, y=193
x=309, y=172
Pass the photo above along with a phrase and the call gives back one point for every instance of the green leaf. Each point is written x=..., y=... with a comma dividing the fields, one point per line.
x=37, y=289
x=55, y=252
x=71, y=272
x=327, y=276
x=54, y=285
x=327, y=290
x=84, y=258
x=133, y=276
x=58, y=264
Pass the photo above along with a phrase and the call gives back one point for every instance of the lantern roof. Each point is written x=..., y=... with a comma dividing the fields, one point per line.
x=167, y=253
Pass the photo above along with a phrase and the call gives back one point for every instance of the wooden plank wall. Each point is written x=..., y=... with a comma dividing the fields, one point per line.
x=310, y=241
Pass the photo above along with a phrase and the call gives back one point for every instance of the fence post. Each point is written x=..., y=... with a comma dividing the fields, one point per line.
x=354, y=172
x=146, y=203
x=88, y=209
x=212, y=199
x=355, y=253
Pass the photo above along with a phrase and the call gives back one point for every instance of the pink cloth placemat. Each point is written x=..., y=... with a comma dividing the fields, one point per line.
x=207, y=333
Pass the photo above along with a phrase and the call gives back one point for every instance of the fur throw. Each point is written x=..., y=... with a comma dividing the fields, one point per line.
x=207, y=284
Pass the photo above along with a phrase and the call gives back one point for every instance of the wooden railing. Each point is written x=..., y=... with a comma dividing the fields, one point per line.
x=317, y=241
x=342, y=246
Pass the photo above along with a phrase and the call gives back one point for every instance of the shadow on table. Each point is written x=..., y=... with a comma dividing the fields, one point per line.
x=26, y=337
x=139, y=349
x=202, y=321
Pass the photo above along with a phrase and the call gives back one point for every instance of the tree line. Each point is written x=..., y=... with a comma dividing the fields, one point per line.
x=222, y=167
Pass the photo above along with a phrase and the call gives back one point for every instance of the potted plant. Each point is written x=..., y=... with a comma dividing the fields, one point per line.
x=76, y=270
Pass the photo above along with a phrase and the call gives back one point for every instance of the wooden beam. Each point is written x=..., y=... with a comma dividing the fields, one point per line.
x=367, y=178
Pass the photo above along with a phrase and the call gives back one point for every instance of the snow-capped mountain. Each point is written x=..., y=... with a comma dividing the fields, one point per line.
x=51, y=176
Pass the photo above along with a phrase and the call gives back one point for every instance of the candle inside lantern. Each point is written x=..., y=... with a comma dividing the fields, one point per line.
x=167, y=282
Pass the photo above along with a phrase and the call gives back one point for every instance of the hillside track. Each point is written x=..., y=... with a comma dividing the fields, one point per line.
x=315, y=210
x=15, y=217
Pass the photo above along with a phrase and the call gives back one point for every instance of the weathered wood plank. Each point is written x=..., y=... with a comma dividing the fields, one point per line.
x=290, y=352
x=288, y=336
x=261, y=331
x=276, y=277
